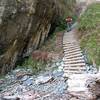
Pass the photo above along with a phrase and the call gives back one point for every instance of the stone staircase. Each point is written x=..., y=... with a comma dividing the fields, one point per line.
x=73, y=58
x=74, y=64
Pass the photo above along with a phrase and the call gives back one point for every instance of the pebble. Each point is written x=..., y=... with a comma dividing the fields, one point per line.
x=91, y=69
x=28, y=82
x=1, y=81
x=48, y=82
x=58, y=73
x=25, y=78
x=58, y=64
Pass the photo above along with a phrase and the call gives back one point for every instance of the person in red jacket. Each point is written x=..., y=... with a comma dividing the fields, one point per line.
x=69, y=23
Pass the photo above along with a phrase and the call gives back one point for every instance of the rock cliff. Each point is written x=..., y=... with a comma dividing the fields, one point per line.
x=24, y=26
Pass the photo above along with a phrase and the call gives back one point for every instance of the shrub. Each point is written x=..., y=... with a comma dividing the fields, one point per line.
x=34, y=65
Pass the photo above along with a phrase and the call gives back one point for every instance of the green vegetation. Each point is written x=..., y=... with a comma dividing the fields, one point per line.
x=61, y=24
x=90, y=29
x=91, y=19
x=34, y=65
x=68, y=7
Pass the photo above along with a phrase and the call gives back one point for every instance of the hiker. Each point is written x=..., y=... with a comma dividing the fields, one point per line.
x=69, y=23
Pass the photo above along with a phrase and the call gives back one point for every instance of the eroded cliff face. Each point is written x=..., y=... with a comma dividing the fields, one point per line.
x=24, y=25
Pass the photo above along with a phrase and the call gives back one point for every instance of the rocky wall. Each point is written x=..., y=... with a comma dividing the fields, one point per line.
x=24, y=26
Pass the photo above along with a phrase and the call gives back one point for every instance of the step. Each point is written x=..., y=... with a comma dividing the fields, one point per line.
x=64, y=42
x=74, y=56
x=76, y=61
x=71, y=51
x=71, y=47
x=71, y=59
x=72, y=72
x=70, y=41
x=79, y=71
x=73, y=65
x=74, y=53
x=74, y=68
x=70, y=44
x=69, y=36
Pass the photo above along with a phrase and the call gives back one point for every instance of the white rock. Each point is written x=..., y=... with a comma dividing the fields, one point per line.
x=58, y=64
x=60, y=68
x=25, y=78
x=10, y=98
x=43, y=79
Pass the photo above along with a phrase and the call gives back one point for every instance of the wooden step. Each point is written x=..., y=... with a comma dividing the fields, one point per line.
x=74, y=53
x=72, y=72
x=71, y=51
x=71, y=59
x=71, y=47
x=76, y=61
x=73, y=65
x=74, y=56
x=70, y=44
x=75, y=68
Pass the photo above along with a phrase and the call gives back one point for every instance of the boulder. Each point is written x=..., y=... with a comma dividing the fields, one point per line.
x=93, y=85
x=44, y=79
